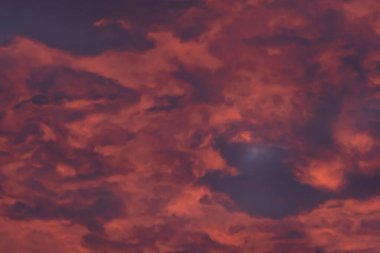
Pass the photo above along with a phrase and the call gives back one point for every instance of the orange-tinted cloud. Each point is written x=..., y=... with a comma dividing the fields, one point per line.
x=190, y=126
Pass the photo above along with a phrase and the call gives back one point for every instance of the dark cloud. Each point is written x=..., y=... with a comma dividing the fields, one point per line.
x=282, y=39
x=205, y=85
x=99, y=243
x=265, y=185
x=318, y=130
x=166, y=103
x=55, y=85
x=103, y=206
x=198, y=242
x=361, y=186
x=69, y=25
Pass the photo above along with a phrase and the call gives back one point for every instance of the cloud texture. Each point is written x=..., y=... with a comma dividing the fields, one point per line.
x=182, y=126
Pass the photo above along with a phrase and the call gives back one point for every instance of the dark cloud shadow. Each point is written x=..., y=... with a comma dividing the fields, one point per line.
x=267, y=187
x=68, y=25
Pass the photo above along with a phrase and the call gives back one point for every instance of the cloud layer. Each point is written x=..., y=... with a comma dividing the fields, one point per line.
x=190, y=126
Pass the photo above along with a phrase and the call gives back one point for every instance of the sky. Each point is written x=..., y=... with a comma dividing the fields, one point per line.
x=189, y=126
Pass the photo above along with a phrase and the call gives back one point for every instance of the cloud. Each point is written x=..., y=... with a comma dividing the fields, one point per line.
x=69, y=25
x=189, y=126
x=265, y=185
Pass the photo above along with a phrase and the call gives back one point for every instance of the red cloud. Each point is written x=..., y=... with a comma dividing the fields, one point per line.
x=200, y=126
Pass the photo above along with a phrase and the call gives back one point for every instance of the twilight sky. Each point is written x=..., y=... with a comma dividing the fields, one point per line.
x=189, y=126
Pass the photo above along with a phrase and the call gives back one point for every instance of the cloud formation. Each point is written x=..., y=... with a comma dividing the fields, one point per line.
x=190, y=126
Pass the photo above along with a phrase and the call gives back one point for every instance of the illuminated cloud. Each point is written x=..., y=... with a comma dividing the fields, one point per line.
x=190, y=126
